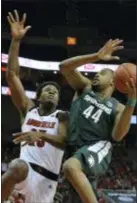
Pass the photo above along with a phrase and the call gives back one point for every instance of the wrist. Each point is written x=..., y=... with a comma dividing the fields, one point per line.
x=16, y=40
x=131, y=102
x=97, y=55
x=41, y=135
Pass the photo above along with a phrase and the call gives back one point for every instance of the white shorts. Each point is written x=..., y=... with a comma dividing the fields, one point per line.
x=36, y=188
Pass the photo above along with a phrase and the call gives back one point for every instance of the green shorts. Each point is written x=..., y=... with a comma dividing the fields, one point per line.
x=95, y=159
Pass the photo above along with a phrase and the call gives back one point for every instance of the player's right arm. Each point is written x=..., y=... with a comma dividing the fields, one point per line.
x=21, y=101
x=124, y=113
x=75, y=78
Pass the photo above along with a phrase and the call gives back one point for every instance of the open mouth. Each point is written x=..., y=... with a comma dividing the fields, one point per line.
x=95, y=80
x=51, y=97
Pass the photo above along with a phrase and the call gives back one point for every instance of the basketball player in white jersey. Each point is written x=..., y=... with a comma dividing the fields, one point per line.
x=35, y=173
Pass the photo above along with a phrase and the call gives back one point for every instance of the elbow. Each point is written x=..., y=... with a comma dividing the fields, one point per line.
x=9, y=75
x=62, y=67
x=119, y=137
x=63, y=143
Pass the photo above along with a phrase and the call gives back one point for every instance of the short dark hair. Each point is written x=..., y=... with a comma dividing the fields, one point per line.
x=39, y=90
x=109, y=70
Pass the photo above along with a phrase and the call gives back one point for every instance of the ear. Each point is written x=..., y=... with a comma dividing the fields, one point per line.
x=111, y=82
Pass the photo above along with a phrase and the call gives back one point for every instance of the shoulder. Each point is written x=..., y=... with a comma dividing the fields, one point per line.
x=80, y=92
x=62, y=115
x=32, y=109
x=119, y=110
x=59, y=110
x=23, y=114
x=120, y=107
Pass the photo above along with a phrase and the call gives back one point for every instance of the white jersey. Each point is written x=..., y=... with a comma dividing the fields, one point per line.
x=42, y=153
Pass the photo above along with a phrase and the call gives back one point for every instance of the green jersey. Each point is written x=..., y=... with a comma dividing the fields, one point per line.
x=91, y=119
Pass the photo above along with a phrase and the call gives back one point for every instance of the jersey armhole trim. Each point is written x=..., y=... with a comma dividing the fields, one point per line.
x=32, y=108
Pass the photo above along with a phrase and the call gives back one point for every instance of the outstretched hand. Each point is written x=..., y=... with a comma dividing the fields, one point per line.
x=105, y=53
x=28, y=137
x=18, y=28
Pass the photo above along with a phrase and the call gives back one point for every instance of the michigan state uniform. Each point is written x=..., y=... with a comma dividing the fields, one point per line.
x=90, y=131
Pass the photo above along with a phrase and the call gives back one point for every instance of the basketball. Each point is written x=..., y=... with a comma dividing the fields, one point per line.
x=123, y=74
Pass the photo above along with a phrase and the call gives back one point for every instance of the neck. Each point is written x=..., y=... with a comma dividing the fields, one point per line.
x=105, y=94
x=46, y=109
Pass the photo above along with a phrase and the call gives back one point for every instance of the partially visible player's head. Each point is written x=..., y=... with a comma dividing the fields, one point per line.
x=103, y=80
x=48, y=94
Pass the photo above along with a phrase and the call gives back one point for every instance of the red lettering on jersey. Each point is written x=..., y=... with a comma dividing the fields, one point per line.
x=34, y=122
x=43, y=124
x=29, y=122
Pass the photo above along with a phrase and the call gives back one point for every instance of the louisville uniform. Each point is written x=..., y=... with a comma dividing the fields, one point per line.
x=90, y=132
x=43, y=159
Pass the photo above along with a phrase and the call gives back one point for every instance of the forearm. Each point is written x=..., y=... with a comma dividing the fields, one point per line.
x=55, y=140
x=13, y=64
x=73, y=63
x=122, y=127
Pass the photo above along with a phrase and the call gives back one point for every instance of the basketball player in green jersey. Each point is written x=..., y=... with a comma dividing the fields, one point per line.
x=95, y=119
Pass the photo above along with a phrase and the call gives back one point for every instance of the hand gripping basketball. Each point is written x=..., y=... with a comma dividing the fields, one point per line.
x=125, y=79
x=131, y=89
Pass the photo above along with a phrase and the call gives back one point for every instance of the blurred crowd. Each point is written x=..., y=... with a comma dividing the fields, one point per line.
x=8, y=154
x=122, y=174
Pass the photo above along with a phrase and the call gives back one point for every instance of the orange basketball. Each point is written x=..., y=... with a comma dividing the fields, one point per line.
x=123, y=74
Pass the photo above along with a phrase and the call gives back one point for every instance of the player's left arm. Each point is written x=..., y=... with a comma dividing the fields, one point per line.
x=58, y=140
x=124, y=114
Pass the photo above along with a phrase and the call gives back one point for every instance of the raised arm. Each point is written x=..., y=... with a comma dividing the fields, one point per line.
x=21, y=101
x=75, y=78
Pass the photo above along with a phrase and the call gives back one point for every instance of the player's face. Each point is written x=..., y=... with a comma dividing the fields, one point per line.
x=103, y=79
x=49, y=94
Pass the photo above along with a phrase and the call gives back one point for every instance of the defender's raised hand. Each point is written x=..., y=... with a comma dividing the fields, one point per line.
x=18, y=28
x=105, y=53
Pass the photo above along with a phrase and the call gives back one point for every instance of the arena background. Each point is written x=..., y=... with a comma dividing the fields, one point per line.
x=62, y=29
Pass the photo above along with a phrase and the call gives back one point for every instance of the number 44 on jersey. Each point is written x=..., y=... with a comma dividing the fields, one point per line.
x=88, y=113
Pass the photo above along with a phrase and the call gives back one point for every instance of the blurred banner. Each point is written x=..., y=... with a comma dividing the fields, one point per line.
x=50, y=66
x=6, y=91
x=119, y=196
